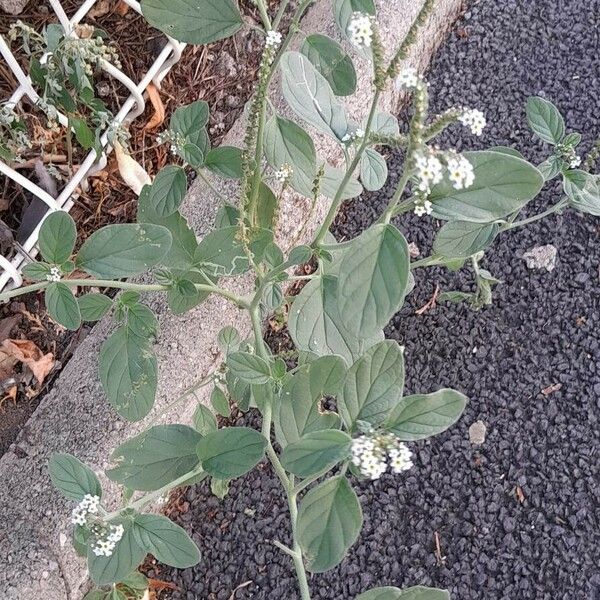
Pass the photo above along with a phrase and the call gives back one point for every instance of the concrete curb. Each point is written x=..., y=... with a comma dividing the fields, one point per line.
x=35, y=550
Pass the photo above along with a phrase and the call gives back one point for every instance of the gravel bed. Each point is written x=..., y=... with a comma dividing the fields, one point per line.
x=517, y=516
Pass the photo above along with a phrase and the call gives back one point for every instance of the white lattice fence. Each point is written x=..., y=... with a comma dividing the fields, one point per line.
x=10, y=269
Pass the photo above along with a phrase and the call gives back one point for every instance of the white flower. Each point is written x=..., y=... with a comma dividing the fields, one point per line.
x=400, y=457
x=88, y=506
x=474, y=119
x=423, y=208
x=54, y=274
x=357, y=134
x=273, y=39
x=360, y=29
x=428, y=171
x=105, y=543
x=460, y=172
x=373, y=452
x=575, y=162
x=408, y=79
x=284, y=173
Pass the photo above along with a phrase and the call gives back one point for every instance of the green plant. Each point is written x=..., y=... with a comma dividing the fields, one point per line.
x=336, y=321
x=62, y=68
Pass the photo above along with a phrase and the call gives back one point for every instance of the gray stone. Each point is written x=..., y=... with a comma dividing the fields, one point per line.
x=541, y=257
x=477, y=433
x=13, y=7
x=75, y=417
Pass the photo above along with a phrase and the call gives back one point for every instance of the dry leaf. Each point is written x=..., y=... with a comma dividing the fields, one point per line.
x=7, y=325
x=519, y=494
x=29, y=354
x=159, y=109
x=133, y=174
x=101, y=8
x=122, y=8
x=551, y=389
x=7, y=365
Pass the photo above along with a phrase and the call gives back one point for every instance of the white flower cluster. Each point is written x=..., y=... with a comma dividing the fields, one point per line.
x=105, y=543
x=360, y=29
x=373, y=453
x=54, y=274
x=460, y=172
x=408, y=79
x=88, y=506
x=273, y=39
x=423, y=207
x=357, y=134
x=177, y=141
x=473, y=119
x=284, y=173
x=428, y=171
x=575, y=162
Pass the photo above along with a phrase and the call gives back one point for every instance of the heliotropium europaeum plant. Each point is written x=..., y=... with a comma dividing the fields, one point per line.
x=341, y=412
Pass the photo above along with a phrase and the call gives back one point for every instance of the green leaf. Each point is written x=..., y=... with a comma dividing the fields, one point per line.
x=184, y=243
x=373, y=385
x=155, y=457
x=62, y=305
x=385, y=123
x=126, y=556
x=228, y=339
x=142, y=322
x=583, y=191
x=316, y=451
x=57, y=237
x=331, y=181
x=167, y=542
x=136, y=581
x=249, y=367
x=123, y=250
x=423, y=415
x=372, y=280
x=93, y=306
x=84, y=135
x=503, y=184
x=298, y=411
x=222, y=253
x=458, y=239
x=545, y=120
x=550, y=168
x=507, y=150
x=329, y=521
x=204, y=420
x=267, y=204
x=414, y=593
x=373, y=170
x=128, y=373
x=36, y=271
x=315, y=323
x=167, y=190
x=219, y=487
x=72, y=478
x=219, y=402
x=225, y=161
x=287, y=142
x=331, y=60
x=309, y=95
x=226, y=216
x=197, y=22
x=190, y=122
x=231, y=452
x=183, y=296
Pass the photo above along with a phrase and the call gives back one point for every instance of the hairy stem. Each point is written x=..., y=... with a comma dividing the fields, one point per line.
x=337, y=200
x=555, y=208
x=122, y=285
x=264, y=15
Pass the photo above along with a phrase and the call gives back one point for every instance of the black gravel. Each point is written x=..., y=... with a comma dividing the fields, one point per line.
x=519, y=516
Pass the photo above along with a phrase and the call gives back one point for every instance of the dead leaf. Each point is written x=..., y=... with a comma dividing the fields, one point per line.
x=101, y=8
x=133, y=174
x=29, y=354
x=551, y=389
x=519, y=494
x=122, y=8
x=7, y=365
x=431, y=303
x=7, y=325
x=158, y=117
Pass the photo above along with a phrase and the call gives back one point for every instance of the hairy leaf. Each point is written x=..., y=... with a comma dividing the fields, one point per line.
x=57, y=237
x=315, y=451
x=72, y=478
x=414, y=593
x=62, y=305
x=545, y=120
x=94, y=306
x=373, y=170
x=583, y=191
x=167, y=190
x=459, y=239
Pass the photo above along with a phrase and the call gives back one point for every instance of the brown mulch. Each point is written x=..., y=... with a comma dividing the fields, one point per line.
x=222, y=74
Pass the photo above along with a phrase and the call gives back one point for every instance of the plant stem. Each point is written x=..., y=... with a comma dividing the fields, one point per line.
x=280, y=12
x=122, y=285
x=555, y=208
x=264, y=15
x=337, y=200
